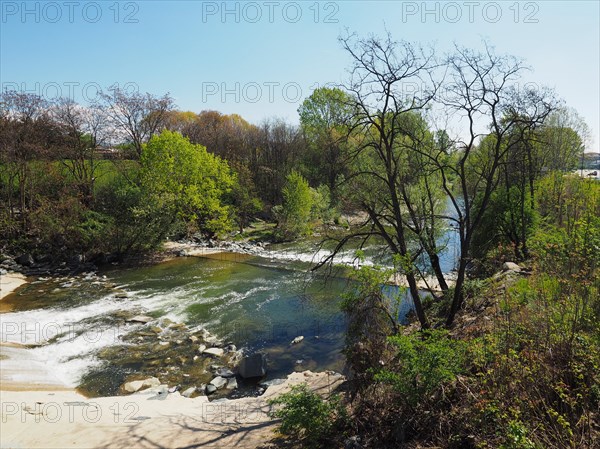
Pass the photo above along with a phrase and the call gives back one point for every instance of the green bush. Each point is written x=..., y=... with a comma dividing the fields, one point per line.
x=516, y=436
x=423, y=362
x=306, y=415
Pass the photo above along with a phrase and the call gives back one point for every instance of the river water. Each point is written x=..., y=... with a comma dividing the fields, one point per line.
x=258, y=303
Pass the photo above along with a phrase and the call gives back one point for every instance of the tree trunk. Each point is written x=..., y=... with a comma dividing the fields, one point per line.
x=437, y=269
x=458, y=287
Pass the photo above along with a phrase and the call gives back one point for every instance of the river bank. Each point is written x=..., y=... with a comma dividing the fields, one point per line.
x=148, y=419
x=9, y=282
x=40, y=410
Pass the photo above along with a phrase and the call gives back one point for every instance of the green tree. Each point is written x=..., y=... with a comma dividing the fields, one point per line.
x=293, y=216
x=188, y=180
x=244, y=196
x=134, y=224
x=562, y=140
x=325, y=117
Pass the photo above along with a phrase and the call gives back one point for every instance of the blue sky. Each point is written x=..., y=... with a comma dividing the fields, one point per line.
x=261, y=59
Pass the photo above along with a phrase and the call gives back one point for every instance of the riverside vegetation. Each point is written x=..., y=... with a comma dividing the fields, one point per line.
x=506, y=355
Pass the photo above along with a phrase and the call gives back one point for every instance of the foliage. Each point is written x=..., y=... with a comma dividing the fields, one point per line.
x=423, y=362
x=293, y=217
x=322, y=208
x=508, y=219
x=244, y=197
x=521, y=370
x=305, y=415
x=186, y=179
x=325, y=119
x=372, y=317
x=137, y=225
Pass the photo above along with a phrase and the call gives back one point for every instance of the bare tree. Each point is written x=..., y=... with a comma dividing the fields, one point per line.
x=401, y=167
x=28, y=135
x=84, y=131
x=137, y=116
x=482, y=92
x=385, y=126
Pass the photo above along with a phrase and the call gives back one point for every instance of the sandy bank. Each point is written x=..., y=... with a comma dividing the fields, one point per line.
x=172, y=250
x=428, y=283
x=62, y=419
x=10, y=282
x=20, y=371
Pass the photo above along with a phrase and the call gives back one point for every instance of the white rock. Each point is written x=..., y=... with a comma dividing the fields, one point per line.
x=212, y=340
x=219, y=382
x=297, y=340
x=189, y=392
x=151, y=382
x=132, y=387
x=140, y=319
x=215, y=352
x=201, y=348
x=511, y=266
x=232, y=384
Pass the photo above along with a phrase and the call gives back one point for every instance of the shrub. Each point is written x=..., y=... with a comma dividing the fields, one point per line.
x=306, y=415
x=423, y=362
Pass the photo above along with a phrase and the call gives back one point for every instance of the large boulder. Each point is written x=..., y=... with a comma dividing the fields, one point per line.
x=254, y=365
x=25, y=260
x=511, y=266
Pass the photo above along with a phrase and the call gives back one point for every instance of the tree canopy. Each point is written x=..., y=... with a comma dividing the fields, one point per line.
x=188, y=180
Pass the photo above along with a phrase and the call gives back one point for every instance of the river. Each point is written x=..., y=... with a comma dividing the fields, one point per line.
x=77, y=328
x=255, y=303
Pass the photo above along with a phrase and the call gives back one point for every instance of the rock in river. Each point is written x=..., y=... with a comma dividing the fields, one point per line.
x=224, y=372
x=254, y=365
x=297, y=340
x=136, y=385
x=219, y=382
x=132, y=387
x=140, y=319
x=189, y=392
x=215, y=352
x=151, y=382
